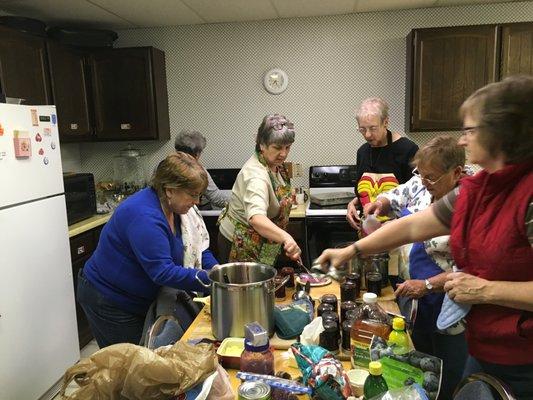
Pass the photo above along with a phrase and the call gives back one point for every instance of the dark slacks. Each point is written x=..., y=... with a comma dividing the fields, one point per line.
x=109, y=324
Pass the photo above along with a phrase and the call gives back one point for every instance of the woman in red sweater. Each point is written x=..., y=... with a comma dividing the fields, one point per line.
x=488, y=218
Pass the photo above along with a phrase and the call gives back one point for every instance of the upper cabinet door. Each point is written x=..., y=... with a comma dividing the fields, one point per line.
x=23, y=67
x=447, y=65
x=69, y=87
x=130, y=94
x=517, y=49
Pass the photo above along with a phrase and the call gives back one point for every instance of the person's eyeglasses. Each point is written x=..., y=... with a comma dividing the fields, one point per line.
x=194, y=196
x=415, y=172
x=371, y=129
x=469, y=130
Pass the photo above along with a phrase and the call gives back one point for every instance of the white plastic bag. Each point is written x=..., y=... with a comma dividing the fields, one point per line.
x=311, y=333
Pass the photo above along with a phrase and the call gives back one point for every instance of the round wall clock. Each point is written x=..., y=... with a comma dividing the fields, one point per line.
x=275, y=81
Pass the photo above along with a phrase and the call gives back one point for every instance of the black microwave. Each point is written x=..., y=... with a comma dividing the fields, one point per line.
x=80, y=196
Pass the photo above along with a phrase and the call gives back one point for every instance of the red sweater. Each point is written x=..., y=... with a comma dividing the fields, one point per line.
x=489, y=240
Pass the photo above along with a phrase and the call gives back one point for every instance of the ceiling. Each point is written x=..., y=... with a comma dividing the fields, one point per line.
x=125, y=14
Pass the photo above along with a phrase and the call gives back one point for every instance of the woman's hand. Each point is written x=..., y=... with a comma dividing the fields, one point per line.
x=466, y=288
x=352, y=216
x=412, y=288
x=291, y=248
x=373, y=208
x=335, y=257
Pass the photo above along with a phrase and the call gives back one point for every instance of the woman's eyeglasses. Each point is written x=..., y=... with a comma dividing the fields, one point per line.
x=415, y=172
x=469, y=130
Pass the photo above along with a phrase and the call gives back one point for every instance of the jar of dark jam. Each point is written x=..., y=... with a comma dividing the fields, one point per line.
x=346, y=329
x=288, y=271
x=355, y=277
x=374, y=283
x=348, y=291
x=329, y=338
x=280, y=293
x=345, y=307
x=330, y=298
x=323, y=307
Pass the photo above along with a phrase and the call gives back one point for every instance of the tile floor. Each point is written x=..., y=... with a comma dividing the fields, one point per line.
x=88, y=350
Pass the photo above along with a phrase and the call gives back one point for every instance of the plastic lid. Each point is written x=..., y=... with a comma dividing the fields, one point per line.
x=398, y=324
x=248, y=346
x=374, y=367
x=370, y=298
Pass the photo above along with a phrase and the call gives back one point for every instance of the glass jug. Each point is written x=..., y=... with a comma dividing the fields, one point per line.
x=128, y=172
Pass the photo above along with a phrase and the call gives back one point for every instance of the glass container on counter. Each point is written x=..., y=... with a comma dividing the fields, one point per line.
x=128, y=172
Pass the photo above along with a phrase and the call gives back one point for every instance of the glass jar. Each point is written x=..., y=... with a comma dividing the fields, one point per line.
x=355, y=277
x=288, y=271
x=330, y=298
x=128, y=172
x=348, y=291
x=257, y=359
x=373, y=283
x=280, y=294
x=322, y=307
x=345, y=307
x=329, y=338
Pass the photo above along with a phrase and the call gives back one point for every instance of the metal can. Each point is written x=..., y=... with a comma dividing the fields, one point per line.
x=254, y=390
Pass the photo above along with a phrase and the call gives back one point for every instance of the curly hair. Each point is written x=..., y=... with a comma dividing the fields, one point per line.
x=190, y=142
x=442, y=152
x=504, y=111
x=275, y=128
x=373, y=106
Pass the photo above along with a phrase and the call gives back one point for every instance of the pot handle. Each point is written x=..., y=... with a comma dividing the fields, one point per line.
x=283, y=282
x=200, y=281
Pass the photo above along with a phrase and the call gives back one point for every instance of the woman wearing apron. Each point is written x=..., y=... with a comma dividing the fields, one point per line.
x=252, y=226
x=440, y=165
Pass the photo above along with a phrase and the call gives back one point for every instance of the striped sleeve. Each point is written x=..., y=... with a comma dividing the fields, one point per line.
x=443, y=208
x=529, y=223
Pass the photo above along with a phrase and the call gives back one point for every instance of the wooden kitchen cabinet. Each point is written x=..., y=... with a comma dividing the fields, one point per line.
x=82, y=247
x=130, y=94
x=24, y=67
x=69, y=75
x=517, y=49
x=444, y=66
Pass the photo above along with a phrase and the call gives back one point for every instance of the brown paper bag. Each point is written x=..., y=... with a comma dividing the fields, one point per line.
x=127, y=371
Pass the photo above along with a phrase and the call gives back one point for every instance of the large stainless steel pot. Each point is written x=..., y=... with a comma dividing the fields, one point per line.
x=241, y=292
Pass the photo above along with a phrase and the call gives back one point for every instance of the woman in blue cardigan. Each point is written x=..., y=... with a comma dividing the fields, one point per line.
x=155, y=238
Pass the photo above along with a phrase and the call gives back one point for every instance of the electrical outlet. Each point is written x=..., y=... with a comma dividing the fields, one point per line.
x=298, y=170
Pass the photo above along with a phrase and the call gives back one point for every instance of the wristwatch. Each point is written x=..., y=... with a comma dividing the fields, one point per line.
x=429, y=286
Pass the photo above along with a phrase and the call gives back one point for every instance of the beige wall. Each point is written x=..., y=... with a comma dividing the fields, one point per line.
x=215, y=74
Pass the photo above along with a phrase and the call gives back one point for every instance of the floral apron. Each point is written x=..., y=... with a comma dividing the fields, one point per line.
x=247, y=244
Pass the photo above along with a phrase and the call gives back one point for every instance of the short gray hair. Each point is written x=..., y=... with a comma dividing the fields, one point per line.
x=373, y=106
x=190, y=142
x=274, y=129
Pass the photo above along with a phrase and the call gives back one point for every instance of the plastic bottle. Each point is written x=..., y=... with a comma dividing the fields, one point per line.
x=257, y=356
x=398, y=337
x=375, y=384
x=370, y=320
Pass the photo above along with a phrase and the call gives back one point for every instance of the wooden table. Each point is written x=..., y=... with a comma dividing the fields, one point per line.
x=201, y=327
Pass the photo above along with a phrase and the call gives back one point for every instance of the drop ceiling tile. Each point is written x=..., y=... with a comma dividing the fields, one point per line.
x=151, y=13
x=311, y=8
x=233, y=10
x=381, y=5
x=66, y=12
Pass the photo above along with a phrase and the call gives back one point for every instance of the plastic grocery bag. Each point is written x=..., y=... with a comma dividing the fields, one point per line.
x=412, y=392
x=127, y=371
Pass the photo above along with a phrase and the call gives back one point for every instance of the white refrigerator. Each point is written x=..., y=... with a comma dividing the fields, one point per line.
x=38, y=332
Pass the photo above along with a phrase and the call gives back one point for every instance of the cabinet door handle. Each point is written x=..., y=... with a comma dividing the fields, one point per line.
x=125, y=126
x=81, y=250
x=74, y=126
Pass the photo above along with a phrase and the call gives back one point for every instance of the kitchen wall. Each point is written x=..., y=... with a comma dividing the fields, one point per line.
x=215, y=72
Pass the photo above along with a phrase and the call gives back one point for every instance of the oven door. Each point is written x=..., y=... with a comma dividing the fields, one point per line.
x=324, y=232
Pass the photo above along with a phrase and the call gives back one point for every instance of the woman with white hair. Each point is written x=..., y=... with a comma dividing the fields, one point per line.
x=253, y=225
x=383, y=162
x=193, y=143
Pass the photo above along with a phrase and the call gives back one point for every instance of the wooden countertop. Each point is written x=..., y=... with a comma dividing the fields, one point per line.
x=88, y=224
x=201, y=328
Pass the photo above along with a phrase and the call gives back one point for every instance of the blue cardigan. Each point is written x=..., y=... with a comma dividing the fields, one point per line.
x=138, y=253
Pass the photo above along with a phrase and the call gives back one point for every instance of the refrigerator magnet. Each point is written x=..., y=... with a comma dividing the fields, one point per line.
x=1, y=130
x=54, y=119
x=34, y=117
x=44, y=118
x=38, y=138
x=45, y=161
x=53, y=145
x=47, y=132
x=41, y=151
x=22, y=143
